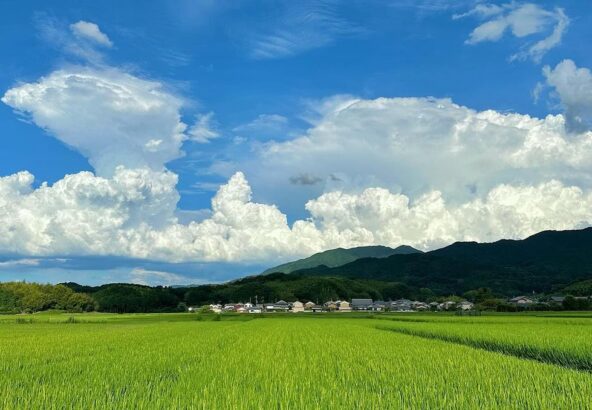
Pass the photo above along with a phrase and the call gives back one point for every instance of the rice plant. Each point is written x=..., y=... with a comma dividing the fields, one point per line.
x=165, y=362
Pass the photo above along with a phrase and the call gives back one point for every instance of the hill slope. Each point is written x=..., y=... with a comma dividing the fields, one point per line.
x=340, y=256
x=542, y=262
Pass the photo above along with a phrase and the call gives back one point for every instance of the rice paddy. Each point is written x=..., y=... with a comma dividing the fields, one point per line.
x=175, y=361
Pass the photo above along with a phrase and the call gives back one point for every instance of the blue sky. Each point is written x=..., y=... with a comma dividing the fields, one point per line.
x=269, y=78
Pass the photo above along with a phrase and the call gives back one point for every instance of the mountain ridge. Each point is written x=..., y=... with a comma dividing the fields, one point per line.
x=538, y=263
x=340, y=256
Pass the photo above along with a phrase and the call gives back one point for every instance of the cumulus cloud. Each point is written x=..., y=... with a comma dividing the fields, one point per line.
x=130, y=215
x=90, y=32
x=417, y=155
x=521, y=20
x=113, y=118
x=415, y=145
x=573, y=87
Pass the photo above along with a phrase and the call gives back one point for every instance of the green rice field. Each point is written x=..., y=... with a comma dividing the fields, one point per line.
x=185, y=361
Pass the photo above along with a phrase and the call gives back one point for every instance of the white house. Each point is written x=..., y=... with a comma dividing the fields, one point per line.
x=344, y=306
x=216, y=308
x=521, y=301
x=297, y=307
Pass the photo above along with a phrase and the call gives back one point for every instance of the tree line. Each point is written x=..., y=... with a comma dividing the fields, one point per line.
x=23, y=297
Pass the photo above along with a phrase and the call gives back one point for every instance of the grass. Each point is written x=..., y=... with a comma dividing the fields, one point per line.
x=175, y=361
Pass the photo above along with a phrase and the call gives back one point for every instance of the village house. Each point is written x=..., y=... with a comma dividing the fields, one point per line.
x=400, y=305
x=317, y=309
x=378, y=306
x=330, y=306
x=343, y=306
x=297, y=307
x=309, y=305
x=280, y=306
x=521, y=301
x=361, y=304
x=465, y=305
x=216, y=308
x=417, y=305
x=255, y=309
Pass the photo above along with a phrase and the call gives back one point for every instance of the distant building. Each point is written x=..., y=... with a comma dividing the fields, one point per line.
x=255, y=309
x=309, y=305
x=417, y=305
x=400, y=305
x=521, y=301
x=297, y=307
x=344, y=306
x=317, y=308
x=280, y=306
x=465, y=305
x=330, y=306
x=361, y=304
x=378, y=306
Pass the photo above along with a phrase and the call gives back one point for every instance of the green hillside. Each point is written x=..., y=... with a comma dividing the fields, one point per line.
x=541, y=263
x=340, y=256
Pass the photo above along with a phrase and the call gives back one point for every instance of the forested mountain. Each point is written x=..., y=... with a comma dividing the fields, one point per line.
x=340, y=256
x=541, y=263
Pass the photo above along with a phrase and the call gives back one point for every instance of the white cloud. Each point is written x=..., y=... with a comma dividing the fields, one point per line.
x=522, y=20
x=573, y=86
x=113, y=118
x=19, y=262
x=131, y=216
x=143, y=276
x=265, y=124
x=82, y=40
x=91, y=32
x=379, y=216
x=415, y=145
x=437, y=172
x=481, y=10
x=203, y=130
x=297, y=27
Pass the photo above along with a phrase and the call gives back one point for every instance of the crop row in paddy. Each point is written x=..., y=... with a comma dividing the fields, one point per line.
x=561, y=341
x=270, y=363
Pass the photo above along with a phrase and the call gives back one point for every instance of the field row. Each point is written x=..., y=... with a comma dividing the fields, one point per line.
x=561, y=341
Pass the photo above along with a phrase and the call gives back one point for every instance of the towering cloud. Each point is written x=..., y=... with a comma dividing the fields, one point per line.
x=111, y=117
x=417, y=171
